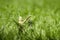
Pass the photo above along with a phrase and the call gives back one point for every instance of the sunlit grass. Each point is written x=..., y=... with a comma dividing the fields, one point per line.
x=44, y=23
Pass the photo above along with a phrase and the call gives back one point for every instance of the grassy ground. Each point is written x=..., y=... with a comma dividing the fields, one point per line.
x=44, y=22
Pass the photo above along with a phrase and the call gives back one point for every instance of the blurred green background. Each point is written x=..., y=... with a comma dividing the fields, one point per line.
x=45, y=19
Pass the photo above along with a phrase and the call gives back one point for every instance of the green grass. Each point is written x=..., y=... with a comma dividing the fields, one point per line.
x=45, y=19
